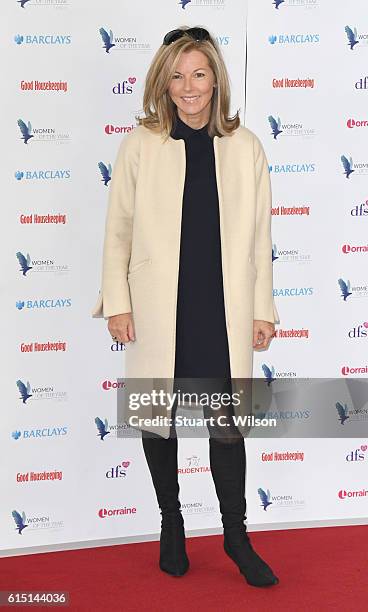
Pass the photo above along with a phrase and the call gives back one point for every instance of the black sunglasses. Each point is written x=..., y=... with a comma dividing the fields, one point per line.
x=195, y=33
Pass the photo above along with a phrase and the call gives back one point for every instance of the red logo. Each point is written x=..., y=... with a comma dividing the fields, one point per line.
x=352, y=123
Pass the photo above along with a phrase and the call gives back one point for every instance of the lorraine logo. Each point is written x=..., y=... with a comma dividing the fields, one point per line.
x=24, y=390
x=274, y=253
x=26, y=130
x=107, y=39
x=265, y=498
x=105, y=172
x=275, y=126
x=103, y=428
x=269, y=373
x=342, y=411
x=348, y=165
x=277, y=3
x=20, y=521
x=24, y=262
x=345, y=288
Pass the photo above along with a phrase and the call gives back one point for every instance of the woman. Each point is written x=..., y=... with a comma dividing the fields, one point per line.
x=187, y=271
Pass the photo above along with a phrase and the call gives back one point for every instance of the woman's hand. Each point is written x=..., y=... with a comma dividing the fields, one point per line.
x=263, y=331
x=121, y=327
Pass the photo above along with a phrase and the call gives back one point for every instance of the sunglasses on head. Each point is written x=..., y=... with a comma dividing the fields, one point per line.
x=195, y=33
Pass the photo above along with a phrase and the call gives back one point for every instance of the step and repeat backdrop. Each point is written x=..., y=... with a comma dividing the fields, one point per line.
x=73, y=80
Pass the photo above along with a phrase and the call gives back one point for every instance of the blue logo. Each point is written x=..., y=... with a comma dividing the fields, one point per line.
x=352, y=37
x=107, y=38
x=348, y=165
x=274, y=251
x=105, y=172
x=342, y=411
x=292, y=168
x=26, y=130
x=43, y=39
x=184, y=3
x=24, y=263
x=345, y=288
x=42, y=175
x=277, y=3
x=275, y=126
x=24, y=390
x=269, y=373
x=20, y=521
x=45, y=432
x=293, y=39
x=48, y=303
x=265, y=498
x=103, y=427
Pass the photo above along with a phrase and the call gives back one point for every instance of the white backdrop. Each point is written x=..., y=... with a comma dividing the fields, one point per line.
x=61, y=87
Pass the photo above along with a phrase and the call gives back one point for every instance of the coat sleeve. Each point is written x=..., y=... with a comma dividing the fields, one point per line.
x=114, y=295
x=264, y=304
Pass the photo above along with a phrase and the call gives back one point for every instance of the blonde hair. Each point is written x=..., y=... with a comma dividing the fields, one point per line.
x=157, y=103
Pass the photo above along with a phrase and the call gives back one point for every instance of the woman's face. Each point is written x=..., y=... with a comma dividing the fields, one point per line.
x=191, y=87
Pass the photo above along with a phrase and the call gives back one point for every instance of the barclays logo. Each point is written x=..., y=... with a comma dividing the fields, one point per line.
x=292, y=168
x=42, y=303
x=45, y=432
x=42, y=39
x=42, y=175
x=293, y=292
x=293, y=39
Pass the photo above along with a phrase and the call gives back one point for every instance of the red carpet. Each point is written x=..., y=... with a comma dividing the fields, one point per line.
x=319, y=569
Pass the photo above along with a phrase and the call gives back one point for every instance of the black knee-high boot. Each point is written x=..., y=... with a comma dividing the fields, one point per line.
x=227, y=461
x=162, y=459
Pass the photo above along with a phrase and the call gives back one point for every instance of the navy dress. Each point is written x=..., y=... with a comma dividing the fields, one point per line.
x=202, y=349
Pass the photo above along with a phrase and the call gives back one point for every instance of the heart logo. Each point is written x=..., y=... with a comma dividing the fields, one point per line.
x=364, y=447
x=125, y=464
x=132, y=80
x=365, y=323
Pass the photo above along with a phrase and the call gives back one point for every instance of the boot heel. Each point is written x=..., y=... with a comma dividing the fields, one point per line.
x=173, y=556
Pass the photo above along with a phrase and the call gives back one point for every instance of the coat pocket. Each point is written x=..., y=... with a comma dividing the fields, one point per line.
x=136, y=267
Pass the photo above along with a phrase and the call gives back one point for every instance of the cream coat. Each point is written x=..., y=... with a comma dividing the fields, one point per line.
x=142, y=243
